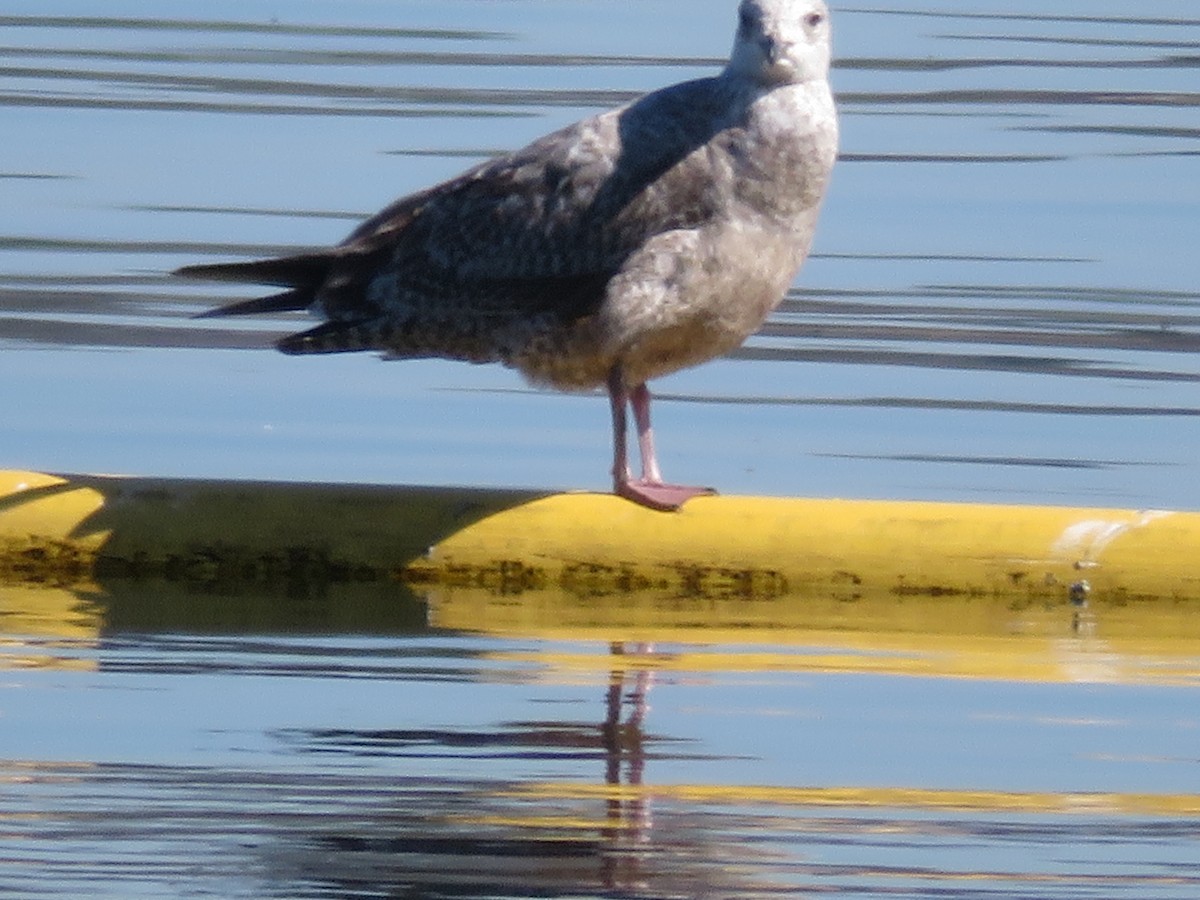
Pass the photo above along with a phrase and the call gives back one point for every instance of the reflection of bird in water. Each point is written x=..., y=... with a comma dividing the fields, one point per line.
x=632, y=244
x=626, y=741
x=476, y=812
x=629, y=820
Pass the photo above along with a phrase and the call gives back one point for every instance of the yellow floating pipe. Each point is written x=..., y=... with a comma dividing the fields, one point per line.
x=66, y=528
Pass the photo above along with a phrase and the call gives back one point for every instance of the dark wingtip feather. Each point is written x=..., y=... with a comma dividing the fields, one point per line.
x=304, y=270
x=288, y=301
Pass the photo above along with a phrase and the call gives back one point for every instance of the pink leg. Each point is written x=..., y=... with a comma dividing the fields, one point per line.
x=617, y=398
x=649, y=490
x=640, y=399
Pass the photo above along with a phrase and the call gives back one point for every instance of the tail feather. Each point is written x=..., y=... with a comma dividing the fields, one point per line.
x=334, y=337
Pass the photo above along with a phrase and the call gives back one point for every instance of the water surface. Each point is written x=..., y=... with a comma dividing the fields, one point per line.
x=1001, y=306
x=361, y=742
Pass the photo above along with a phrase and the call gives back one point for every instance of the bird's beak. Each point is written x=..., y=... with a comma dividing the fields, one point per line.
x=772, y=50
x=778, y=58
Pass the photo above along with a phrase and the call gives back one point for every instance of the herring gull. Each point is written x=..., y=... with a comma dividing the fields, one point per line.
x=629, y=245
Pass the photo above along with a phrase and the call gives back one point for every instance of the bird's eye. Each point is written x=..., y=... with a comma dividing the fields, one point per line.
x=812, y=20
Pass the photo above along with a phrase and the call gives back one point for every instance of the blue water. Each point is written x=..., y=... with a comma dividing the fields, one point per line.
x=248, y=765
x=1001, y=307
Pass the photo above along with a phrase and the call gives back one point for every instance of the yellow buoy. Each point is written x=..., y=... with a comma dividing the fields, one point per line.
x=56, y=528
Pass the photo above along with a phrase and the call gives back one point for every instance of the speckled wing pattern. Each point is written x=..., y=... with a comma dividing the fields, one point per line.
x=532, y=236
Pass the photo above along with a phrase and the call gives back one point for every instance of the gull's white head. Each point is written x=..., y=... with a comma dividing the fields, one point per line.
x=782, y=41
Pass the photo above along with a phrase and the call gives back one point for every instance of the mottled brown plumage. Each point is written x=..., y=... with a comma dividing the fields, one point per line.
x=629, y=245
